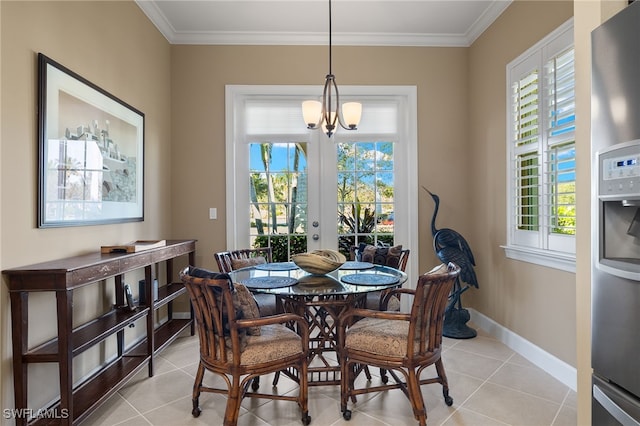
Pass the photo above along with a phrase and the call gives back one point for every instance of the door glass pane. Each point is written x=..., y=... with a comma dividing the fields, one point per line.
x=365, y=194
x=278, y=216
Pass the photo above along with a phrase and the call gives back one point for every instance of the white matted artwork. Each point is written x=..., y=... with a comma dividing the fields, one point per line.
x=91, y=152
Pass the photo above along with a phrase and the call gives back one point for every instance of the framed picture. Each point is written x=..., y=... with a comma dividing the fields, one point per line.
x=91, y=152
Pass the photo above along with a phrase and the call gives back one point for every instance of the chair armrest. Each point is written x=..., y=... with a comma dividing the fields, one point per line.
x=401, y=290
x=346, y=316
x=386, y=295
x=273, y=319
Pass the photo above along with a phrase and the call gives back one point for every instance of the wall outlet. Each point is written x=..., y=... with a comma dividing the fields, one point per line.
x=213, y=213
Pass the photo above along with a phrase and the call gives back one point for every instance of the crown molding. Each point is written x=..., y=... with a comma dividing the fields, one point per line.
x=156, y=16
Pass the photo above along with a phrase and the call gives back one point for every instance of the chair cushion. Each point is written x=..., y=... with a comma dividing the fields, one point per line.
x=275, y=341
x=248, y=306
x=244, y=263
x=387, y=256
x=379, y=336
x=205, y=273
x=242, y=305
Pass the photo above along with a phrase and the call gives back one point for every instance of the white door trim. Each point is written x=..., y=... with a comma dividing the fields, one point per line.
x=407, y=163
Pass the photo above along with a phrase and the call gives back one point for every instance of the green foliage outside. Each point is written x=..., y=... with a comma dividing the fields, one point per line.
x=566, y=210
x=279, y=196
x=280, y=248
x=359, y=225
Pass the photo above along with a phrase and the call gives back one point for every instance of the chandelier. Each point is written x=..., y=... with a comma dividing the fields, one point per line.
x=326, y=114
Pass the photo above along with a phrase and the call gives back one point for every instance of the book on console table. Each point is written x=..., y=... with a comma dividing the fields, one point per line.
x=134, y=246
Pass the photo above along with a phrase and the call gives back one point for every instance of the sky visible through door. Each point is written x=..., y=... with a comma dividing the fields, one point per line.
x=279, y=187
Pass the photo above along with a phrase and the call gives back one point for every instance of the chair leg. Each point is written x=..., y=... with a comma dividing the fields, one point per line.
x=344, y=388
x=415, y=395
x=383, y=376
x=303, y=399
x=232, y=411
x=195, y=398
x=445, y=384
x=276, y=378
x=367, y=373
x=255, y=383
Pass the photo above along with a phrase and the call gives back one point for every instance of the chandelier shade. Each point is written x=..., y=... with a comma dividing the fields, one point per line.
x=326, y=115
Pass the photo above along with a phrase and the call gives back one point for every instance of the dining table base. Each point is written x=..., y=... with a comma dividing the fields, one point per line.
x=322, y=313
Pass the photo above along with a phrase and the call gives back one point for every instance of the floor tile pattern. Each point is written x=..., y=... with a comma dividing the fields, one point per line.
x=491, y=385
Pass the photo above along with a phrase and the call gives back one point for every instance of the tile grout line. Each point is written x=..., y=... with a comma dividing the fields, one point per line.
x=458, y=409
x=134, y=409
x=566, y=395
x=477, y=389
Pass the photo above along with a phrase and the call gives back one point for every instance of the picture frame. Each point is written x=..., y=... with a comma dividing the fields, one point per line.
x=90, y=153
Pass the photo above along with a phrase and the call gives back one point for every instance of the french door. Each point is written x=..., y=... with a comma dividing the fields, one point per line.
x=298, y=190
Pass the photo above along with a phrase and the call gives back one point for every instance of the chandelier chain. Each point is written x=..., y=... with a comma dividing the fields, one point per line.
x=330, y=44
x=327, y=114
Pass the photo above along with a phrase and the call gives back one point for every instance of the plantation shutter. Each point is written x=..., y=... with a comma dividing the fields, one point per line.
x=541, y=168
x=560, y=173
x=526, y=191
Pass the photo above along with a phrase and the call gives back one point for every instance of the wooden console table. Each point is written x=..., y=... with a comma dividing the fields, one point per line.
x=63, y=276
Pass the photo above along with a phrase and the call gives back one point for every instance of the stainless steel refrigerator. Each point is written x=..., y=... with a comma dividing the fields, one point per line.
x=615, y=145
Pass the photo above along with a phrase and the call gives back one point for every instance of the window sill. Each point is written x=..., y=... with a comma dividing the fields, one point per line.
x=550, y=259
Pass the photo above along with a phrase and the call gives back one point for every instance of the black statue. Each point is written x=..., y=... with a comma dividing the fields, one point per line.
x=450, y=246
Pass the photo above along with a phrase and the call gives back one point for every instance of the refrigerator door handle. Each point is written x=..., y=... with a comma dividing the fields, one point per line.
x=614, y=409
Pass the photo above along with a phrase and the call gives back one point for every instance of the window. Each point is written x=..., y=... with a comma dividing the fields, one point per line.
x=541, y=150
x=296, y=190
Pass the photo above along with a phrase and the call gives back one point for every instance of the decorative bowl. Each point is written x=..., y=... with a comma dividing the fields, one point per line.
x=319, y=262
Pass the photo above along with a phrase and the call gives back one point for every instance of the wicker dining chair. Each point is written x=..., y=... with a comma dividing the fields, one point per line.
x=395, y=257
x=231, y=260
x=400, y=343
x=236, y=259
x=268, y=304
x=231, y=350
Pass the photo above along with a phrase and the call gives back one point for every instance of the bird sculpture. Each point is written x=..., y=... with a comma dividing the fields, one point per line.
x=450, y=246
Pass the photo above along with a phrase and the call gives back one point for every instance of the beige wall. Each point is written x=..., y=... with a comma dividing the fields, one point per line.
x=199, y=75
x=113, y=45
x=181, y=91
x=536, y=302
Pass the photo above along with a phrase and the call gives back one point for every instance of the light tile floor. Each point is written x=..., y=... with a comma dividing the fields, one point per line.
x=490, y=384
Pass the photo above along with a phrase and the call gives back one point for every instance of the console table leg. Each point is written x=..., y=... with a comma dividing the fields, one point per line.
x=64, y=301
x=20, y=337
x=148, y=279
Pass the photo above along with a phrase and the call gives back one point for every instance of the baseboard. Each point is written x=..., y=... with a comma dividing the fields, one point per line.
x=549, y=363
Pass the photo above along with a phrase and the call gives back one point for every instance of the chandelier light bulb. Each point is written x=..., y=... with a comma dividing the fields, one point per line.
x=351, y=114
x=311, y=110
x=326, y=114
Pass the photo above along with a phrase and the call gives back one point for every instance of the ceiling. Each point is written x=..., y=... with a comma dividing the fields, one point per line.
x=306, y=22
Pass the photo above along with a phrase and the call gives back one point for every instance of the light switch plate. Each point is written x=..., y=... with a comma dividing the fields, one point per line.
x=213, y=213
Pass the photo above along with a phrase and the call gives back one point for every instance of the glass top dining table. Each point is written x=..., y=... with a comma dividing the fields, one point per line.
x=320, y=299
x=286, y=279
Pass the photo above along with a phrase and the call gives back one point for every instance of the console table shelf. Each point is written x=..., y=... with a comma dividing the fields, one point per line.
x=88, y=334
x=62, y=277
x=169, y=292
x=89, y=395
